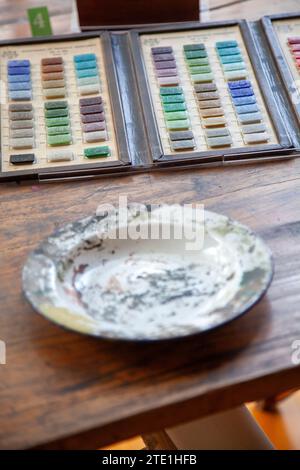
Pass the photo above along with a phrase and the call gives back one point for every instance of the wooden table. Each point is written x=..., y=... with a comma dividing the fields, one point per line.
x=63, y=390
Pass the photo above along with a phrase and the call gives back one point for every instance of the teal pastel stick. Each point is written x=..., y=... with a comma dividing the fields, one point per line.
x=195, y=54
x=84, y=57
x=234, y=66
x=194, y=47
x=86, y=64
x=173, y=90
x=172, y=99
x=225, y=44
x=171, y=107
x=230, y=59
x=87, y=81
x=229, y=51
x=87, y=73
x=200, y=69
x=197, y=62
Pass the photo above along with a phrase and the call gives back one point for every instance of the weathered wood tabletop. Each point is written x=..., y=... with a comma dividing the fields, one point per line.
x=63, y=390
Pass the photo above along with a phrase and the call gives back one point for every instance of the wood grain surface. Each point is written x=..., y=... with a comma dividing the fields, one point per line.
x=58, y=384
x=63, y=390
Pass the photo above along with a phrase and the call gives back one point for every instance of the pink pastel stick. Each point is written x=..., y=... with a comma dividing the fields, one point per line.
x=294, y=40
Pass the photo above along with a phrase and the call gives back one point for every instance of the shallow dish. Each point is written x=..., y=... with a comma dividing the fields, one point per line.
x=86, y=277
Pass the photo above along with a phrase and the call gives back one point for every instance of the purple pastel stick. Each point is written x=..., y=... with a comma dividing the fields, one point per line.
x=168, y=64
x=90, y=101
x=161, y=50
x=166, y=72
x=94, y=126
x=97, y=117
x=92, y=109
x=162, y=57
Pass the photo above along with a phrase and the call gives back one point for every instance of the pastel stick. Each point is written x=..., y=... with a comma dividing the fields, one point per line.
x=18, y=63
x=84, y=57
x=161, y=50
x=181, y=135
x=86, y=118
x=163, y=57
x=242, y=92
x=18, y=71
x=168, y=64
x=18, y=78
x=166, y=72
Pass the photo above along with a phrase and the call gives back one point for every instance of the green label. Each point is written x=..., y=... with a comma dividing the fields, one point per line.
x=39, y=21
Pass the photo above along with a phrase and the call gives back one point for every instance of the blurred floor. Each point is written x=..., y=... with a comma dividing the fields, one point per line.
x=136, y=443
x=282, y=427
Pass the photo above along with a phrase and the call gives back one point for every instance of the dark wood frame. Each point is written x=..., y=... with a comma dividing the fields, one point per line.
x=90, y=12
x=80, y=170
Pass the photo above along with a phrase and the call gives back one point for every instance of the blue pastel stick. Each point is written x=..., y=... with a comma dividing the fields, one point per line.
x=18, y=63
x=87, y=73
x=18, y=78
x=244, y=100
x=84, y=57
x=19, y=86
x=242, y=92
x=20, y=95
x=247, y=108
x=239, y=84
x=18, y=70
x=87, y=64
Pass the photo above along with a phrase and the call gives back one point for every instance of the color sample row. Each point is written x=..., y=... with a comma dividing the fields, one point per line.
x=248, y=113
x=87, y=74
x=231, y=59
x=242, y=95
x=198, y=63
x=172, y=99
x=207, y=95
x=19, y=80
x=57, y=121
x=53, y=77
x=165, y=66
x=94, y=126
x=93, y=119
x=294, y=44
x=21, y=125
x=58, y=128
